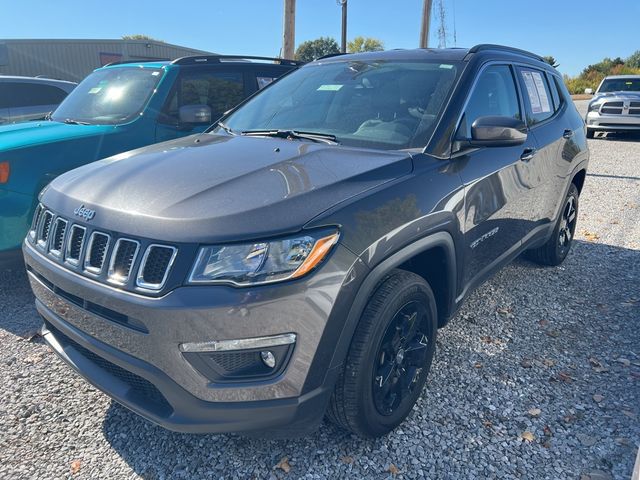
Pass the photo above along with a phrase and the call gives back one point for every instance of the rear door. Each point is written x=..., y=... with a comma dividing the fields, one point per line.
x=551, y=130
x=216, y=89
x=4, y=103
x=497, y=188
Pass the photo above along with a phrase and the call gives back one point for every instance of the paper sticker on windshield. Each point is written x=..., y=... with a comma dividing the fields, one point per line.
x=330, y=87
x=538, y=97
x=95, y=90
x=446, y=65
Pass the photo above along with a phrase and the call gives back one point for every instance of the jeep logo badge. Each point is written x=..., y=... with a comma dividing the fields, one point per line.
x=85, y=213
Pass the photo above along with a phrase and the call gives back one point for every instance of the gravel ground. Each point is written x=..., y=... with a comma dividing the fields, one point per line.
x=538, y=376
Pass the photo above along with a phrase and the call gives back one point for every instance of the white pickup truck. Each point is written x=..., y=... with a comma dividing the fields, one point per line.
x=615, y=105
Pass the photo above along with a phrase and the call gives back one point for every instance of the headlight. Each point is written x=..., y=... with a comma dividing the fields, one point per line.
x=262, y=262
x=594, y=106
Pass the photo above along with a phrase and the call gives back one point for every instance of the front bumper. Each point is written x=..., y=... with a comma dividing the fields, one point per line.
x=147, y=372
x=599, y=121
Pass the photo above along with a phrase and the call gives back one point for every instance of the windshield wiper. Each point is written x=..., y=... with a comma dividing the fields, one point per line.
x=229, y=130
x=71, y=121
x=313, y=136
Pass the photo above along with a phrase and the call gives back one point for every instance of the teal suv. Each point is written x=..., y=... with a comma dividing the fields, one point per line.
x=118, y=108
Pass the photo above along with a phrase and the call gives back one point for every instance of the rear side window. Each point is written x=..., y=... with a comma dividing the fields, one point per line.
x=218, y=90
x=537, y=95
x=494, y=94
x=557, y=100
x=23, y=94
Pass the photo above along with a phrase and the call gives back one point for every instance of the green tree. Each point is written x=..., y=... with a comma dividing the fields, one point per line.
x=314, y=49
x=634, y=60
x=551, y=61
x=364, y=44
x=139, y=36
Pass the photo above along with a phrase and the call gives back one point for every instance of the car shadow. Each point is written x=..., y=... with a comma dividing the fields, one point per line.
x=18, y=314
x=631, y=136
x=588, y=317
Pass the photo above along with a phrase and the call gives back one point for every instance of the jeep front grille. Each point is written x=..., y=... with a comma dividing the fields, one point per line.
x=103, y=256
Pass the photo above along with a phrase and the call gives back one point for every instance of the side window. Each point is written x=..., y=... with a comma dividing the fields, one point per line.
x=537, y=96
x=554, y=92
x=264, y=79
x=494, y=94
x=23, y=94
x=218, y=90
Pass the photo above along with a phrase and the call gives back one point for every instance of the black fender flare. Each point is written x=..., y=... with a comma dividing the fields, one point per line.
x=440, y=239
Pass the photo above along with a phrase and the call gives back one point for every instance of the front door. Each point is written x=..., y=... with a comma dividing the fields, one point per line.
x=212, y=91
x=496, y=179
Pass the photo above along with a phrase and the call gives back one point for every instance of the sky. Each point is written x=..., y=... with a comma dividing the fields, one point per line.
x=575, y=32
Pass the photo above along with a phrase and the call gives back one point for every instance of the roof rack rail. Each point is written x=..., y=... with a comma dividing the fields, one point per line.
x=134, y=60
x=197, y=59
x=490, y=46
x=329, y=55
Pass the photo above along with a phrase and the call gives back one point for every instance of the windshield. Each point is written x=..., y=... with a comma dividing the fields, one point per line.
x=377, y=104
x=109, y=96
x=620, y=85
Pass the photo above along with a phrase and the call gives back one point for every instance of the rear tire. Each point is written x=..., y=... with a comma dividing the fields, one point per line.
x=389, y=358
x=557, y=247
x=591, y=133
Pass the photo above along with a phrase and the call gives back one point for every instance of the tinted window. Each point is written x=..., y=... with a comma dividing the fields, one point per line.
x=219, y=90
x=494, y=94
x=537, y=97
x=557, y=103
x=24, y=94
x=109, y=96
x=620, y=85
x=388, y=105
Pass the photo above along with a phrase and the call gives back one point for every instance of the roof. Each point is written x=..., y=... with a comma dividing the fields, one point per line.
x=34, y=79
x=440, y=54
x=621, y=77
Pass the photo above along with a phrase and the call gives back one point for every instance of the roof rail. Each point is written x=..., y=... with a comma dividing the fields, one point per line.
x=197, y=59
x=133, y=60
x=490, y=46
x=329, y=55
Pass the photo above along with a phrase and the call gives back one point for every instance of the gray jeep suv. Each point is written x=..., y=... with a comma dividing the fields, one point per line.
x=297, y=259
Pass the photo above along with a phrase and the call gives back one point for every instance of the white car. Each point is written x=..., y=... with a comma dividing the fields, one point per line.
x=28, y=98
x=615, y=105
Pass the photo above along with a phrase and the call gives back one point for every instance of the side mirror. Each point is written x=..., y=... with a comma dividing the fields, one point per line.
x=588, y=91
x=497, y=132
x=195, y=114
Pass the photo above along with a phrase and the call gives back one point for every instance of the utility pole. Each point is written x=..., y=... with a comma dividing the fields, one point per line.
x=289, y=29
x=426, y=20
x=343, y=46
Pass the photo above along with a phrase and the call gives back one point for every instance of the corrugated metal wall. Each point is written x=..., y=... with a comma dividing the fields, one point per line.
x=75, y=59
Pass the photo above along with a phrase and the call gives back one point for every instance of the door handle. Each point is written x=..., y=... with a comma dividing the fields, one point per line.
x=567, y=134
x=528, y=154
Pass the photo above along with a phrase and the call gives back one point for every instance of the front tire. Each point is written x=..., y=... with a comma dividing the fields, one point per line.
x=557, y=247
x=389, y=359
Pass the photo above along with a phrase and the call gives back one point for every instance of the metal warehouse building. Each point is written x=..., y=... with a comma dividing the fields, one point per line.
x=75, y=59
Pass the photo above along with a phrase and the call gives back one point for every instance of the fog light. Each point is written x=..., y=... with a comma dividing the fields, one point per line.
x=268, y=358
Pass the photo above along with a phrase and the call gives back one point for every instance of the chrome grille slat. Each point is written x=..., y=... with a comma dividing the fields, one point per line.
x=58, y=236
x=155, y=266
x=96, y=252
x=122, y=259
x=34, y=223
x=75, y=240
x=44, y=228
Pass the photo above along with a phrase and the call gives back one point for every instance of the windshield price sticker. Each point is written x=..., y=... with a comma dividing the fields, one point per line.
x=329, y=87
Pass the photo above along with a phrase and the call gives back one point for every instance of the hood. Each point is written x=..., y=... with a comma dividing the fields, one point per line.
x=622, y=94
x=211, y=188
x=36, y=133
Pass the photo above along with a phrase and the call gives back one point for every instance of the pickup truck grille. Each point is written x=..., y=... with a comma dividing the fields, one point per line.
x=107, y=257
x=619, y=107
